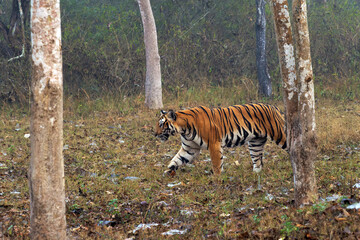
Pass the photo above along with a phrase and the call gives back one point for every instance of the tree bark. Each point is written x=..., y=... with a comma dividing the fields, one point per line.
x=286, y=54
x=46, y=182
x=298, y=96
x=304, y=174
x=265, y=88
x=153, y=92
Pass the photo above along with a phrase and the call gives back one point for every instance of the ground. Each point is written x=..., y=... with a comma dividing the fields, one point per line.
x=115, y=188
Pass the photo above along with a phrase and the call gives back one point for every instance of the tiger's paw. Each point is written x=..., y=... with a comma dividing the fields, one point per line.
x=257, y=169
x=169, y=173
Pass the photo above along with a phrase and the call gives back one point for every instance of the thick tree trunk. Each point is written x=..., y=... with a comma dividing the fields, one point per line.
x=46, y=183
x=298, y=94
x=262, y=69
x=153, y=94
x=304, y=174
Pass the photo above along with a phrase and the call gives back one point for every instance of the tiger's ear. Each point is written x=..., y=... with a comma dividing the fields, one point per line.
x=162, y=112
x=172, y=115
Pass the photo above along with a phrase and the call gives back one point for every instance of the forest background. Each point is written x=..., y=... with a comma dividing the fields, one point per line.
x=201, y=43
x=113, y=163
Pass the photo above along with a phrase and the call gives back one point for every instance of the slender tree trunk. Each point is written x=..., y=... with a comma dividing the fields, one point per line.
x=304, y=176
x=46, y=183
x=298, y=96
x=153, y=94
x=262, y=69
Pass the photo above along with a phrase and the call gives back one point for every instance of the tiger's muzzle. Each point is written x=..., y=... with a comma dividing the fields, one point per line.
x=164, y=136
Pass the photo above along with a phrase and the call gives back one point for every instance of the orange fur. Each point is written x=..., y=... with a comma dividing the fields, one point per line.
x=213, y=129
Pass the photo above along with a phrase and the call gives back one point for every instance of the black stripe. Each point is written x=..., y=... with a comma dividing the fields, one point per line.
x=183, y=159
x=246, y=134
x=192, y=110
x=190, y=153
x=237, y=141
x=188, y=114
x=230, y=140
x=267, y=114
x=193, y=134
x=247, y=123
x=206, y=113
x=223, y=121
x=186, y=145
x=255, y=151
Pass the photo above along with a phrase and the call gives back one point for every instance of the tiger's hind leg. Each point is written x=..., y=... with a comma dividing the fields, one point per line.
x=256, y=148
x=216, y=158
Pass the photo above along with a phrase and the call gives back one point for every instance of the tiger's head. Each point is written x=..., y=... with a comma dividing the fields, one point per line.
x=165, y=127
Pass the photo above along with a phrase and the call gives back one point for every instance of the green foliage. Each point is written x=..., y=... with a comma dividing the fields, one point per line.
x=74, y=207
x=288, y=226
x=113, y=206
x=319, y=207
x=11, y=150
x=334, y=39
x=256, y=218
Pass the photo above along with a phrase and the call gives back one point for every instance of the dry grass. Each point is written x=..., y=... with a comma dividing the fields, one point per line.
x=107, y=140
x=338, y=124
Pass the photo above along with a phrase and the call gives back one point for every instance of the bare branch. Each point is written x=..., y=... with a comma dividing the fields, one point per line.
x=23, y=33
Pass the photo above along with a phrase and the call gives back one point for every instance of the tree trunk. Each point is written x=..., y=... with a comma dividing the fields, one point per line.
x=46, y=182
x=153, y=94
x=297, y=98
x=304, y=174
x=287, y=65
x=265, y=88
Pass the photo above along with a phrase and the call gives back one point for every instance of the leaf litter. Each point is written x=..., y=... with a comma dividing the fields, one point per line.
x=119, y=186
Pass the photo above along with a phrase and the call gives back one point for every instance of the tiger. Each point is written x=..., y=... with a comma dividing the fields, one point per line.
x=216, y=128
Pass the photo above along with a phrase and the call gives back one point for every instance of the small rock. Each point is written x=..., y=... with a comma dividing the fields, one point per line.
x=354, y=206
x=174, y=231
x=174, y=184
x=131, y=178
x=144, y=226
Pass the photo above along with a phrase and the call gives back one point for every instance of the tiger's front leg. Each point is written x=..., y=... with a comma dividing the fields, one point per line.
x=186, y=155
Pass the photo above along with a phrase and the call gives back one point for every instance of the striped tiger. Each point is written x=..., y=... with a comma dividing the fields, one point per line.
x=216, y=128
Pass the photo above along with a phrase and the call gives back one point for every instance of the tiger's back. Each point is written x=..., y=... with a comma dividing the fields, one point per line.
x=235, y=124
